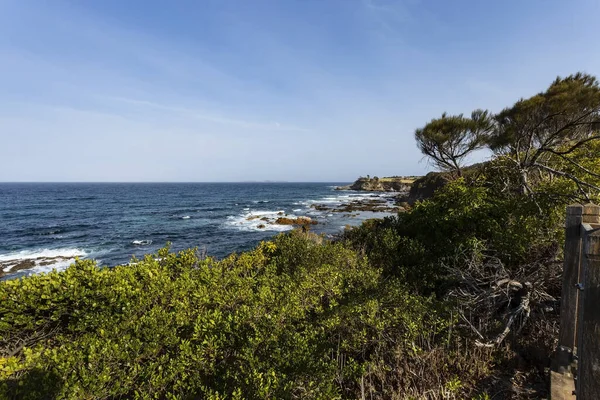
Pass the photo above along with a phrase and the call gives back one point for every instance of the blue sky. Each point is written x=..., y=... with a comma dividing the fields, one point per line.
x=235, y=90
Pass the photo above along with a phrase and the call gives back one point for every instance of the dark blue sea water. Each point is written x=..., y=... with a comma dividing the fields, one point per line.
x=51, y=223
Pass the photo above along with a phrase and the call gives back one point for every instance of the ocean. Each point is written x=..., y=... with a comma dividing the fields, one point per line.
x=44, y=226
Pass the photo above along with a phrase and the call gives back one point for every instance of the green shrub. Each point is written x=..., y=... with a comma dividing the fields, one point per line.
x=461, y=218
x=270, y=323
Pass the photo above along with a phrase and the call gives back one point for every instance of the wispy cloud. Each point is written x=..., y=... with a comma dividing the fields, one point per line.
x=235, y=90
x=195, y=114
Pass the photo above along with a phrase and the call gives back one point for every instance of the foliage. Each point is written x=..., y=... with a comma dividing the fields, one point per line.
x=552, y=124
x=462, y=217
x=449, y=139
x=296, y=317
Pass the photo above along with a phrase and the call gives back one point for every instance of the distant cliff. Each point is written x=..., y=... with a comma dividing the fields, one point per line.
x=424, y=187
x=410, y=188
x=375, y=184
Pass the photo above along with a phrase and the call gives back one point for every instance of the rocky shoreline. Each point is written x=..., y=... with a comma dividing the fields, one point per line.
x=409, y=189
x=400, y=184
x=282, y=219
x=12, y=266
x=375, y=204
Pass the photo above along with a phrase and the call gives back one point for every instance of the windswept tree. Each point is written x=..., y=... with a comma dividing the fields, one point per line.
x=547, y=131
x=449, y=139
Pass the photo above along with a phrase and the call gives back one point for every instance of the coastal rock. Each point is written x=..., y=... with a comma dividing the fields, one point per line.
x=375, y=184
x=295, y=221
x=12, y=266
x=424, y=187
x=410, y=188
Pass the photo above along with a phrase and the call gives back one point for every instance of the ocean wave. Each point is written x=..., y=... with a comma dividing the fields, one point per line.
x=213, y=208
x=186, y=217
x=43, y=253
x=50, y=232
x=40, y=260
x=347, y=198
x=84, y=198
x=264, y=213
x=141, y=242
x=252, y=221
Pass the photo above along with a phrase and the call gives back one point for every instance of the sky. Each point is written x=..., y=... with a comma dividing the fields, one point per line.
x=252, y=90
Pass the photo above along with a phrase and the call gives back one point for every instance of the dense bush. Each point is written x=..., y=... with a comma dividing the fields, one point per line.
x=294, y=318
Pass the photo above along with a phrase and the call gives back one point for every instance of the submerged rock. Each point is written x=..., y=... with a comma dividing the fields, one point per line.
x=320, y=207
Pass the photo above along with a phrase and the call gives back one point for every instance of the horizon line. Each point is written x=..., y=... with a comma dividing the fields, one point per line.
x=251, y=181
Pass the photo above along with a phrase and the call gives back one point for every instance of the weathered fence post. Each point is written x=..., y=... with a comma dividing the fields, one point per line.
x=588, y=370
x=561, y=376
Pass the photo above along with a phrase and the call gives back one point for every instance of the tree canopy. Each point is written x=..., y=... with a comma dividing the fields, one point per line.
x=549, y=127
x=546, y=134
x=449, y=139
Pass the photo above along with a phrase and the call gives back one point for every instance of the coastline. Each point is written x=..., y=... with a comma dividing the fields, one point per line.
x=400, y=184
x=221, y=226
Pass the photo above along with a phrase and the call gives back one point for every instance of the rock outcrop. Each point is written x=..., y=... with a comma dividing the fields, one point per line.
x=424, y=187
x=410, y=189
x=295, y=221
x=375, y=184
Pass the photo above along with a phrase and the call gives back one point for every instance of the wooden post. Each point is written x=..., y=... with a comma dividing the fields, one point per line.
x=588, y=370
x=562, y=383
x=569, y=296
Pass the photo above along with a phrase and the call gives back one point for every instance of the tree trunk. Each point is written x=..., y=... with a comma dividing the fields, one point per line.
x=525, y=182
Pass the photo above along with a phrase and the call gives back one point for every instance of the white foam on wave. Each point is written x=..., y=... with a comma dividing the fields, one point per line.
x=141, y=242
x=340, y=199
x=58, y=265
x=264, y=213
x=58, y=259
x=186, y=217
x=337, y=200
x=251, y=221
x=47, y=253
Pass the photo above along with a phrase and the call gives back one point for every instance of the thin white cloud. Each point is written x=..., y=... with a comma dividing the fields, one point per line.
x=192, y=113
x=279, y=97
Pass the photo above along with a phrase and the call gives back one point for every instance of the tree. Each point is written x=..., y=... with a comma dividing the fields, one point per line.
x=449, y=139
x=549, y=128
